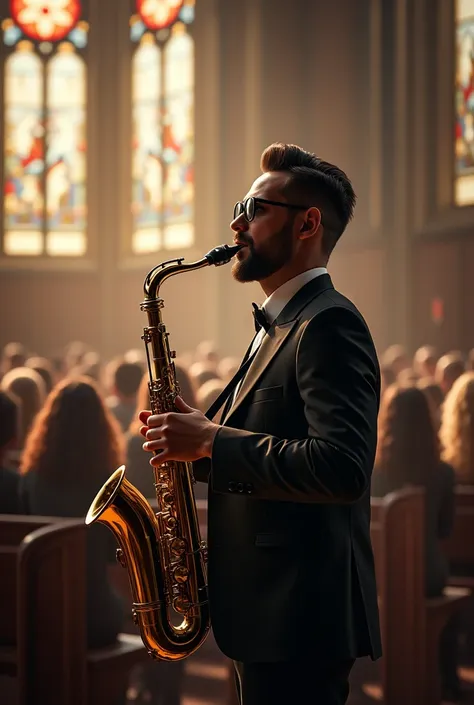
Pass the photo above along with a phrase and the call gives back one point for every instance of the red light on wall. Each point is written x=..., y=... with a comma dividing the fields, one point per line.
x=437, y=310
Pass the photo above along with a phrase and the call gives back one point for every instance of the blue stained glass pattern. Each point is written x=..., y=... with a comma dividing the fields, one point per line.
x=78, y=37
x=11, y=34
x=137, y=28
x=187, y=14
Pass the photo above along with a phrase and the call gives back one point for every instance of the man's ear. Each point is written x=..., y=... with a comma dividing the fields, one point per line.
x=311, y=223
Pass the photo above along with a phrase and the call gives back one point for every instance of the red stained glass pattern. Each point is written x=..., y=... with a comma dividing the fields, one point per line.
x=45, y=20
x=159, y=14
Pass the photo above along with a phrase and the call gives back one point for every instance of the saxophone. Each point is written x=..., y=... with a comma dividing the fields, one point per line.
x=163, y=552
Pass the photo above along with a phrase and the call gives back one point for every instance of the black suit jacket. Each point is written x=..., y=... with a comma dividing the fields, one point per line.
x=291, y=571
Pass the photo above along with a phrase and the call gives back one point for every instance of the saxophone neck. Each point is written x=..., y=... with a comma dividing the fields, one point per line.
x=155, y=278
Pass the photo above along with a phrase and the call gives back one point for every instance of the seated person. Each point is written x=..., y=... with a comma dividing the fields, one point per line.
x=9, y=433
x=408, y=455
x=74, y=446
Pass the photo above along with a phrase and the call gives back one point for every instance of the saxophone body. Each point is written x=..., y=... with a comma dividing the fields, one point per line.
x=163, y=552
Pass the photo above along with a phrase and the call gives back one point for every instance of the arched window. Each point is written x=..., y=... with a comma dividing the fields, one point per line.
x=162, y=125
x=464, y=106
x=44, y=129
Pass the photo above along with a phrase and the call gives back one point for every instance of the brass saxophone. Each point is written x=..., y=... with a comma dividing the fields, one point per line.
x=163, y=552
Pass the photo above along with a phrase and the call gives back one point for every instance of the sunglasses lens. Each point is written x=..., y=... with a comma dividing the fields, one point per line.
x=238, y=209
x=249, y=209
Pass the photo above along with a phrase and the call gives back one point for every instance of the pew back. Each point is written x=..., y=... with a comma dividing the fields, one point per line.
x=51, y=619
x=459, y=546
x=397, y=534
x=13, y=529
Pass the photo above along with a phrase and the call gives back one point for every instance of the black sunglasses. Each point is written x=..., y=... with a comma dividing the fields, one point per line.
x=247, y=208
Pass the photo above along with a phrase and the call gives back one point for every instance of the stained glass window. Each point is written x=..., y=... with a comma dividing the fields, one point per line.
x=44, y=154
x=464, y=106
x=163, y=125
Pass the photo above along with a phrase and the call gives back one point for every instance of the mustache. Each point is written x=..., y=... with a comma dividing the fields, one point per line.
x=245, y=239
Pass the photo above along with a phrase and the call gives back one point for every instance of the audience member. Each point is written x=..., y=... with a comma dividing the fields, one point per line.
x=44, y=368
x=208, y=393
x=28, y=386
x=396, y=358
x=206, y=352
x=73, y=447
x=227, y=368
x=408, y=454
x=201, y=372
x=448, y=368
x=9, y=431
x=457, y=428
x=126, y=380
x=435, y=397
x=73, y=355
x=424, y=361
x=14, y=355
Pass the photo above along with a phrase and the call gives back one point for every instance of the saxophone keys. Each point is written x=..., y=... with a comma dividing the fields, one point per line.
x=171, y=522
x=178, y=546
x=181, y=604
x=181, y=574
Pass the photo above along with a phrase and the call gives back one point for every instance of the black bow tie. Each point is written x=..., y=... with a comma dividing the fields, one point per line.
x=260, y=318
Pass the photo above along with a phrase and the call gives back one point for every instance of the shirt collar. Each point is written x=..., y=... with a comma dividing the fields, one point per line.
x=276, y=302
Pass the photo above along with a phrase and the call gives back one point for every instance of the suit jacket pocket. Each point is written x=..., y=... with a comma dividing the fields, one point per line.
x=268, y=393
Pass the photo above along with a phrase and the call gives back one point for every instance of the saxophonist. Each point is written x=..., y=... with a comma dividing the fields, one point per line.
x=291, y=574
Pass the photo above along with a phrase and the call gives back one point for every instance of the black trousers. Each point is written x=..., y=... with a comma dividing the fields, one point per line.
x=293, y=683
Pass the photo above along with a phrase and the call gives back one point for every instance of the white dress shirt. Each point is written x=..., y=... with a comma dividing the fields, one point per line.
x=276, y=302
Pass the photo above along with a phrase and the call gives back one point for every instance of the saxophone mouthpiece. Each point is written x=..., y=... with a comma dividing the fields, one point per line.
x=222, y=254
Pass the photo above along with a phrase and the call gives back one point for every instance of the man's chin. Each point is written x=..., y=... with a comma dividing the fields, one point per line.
x=240, y=274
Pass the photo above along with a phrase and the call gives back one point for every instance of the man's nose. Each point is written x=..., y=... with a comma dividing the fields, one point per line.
x=239, y=224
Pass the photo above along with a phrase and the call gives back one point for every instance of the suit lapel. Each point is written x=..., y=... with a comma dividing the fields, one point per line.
x=275, y=337
x=269, y=347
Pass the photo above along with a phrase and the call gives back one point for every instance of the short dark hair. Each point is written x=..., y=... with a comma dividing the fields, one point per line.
x=9, y=418
x=127, y=378
x=320, y=183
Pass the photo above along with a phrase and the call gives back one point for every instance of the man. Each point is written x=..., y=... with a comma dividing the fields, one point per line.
x=291, y=575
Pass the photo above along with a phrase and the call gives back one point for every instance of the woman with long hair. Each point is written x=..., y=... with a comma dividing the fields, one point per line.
x=73, y=447
x=457, y=428
x=408, y=455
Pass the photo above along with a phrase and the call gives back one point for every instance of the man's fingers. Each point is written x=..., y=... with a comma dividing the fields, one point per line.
x=144, y=415
x=154, y=445
x=159, y=459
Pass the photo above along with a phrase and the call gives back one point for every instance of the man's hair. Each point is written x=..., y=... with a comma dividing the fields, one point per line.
x=314, y=182
x=127, y=378
x=9, y=418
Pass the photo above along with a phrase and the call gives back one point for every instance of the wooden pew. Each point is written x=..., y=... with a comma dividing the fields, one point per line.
x=411, y=623
x=459, y=547
x=47, y=652
x=13, y=530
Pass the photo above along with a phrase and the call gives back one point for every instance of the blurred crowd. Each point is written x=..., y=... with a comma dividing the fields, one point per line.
x=66, y=423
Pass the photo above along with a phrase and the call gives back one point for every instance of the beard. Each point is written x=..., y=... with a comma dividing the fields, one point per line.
x=260, y=265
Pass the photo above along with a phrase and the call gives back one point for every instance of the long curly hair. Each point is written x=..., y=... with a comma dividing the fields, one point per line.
x=74, y=438
x=457, y=428
x=408, y=448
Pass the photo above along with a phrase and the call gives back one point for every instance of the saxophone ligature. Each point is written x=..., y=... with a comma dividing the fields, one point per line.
x=163, y=553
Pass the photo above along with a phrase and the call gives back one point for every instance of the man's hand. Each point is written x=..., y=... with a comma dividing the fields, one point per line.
x=184, y=436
